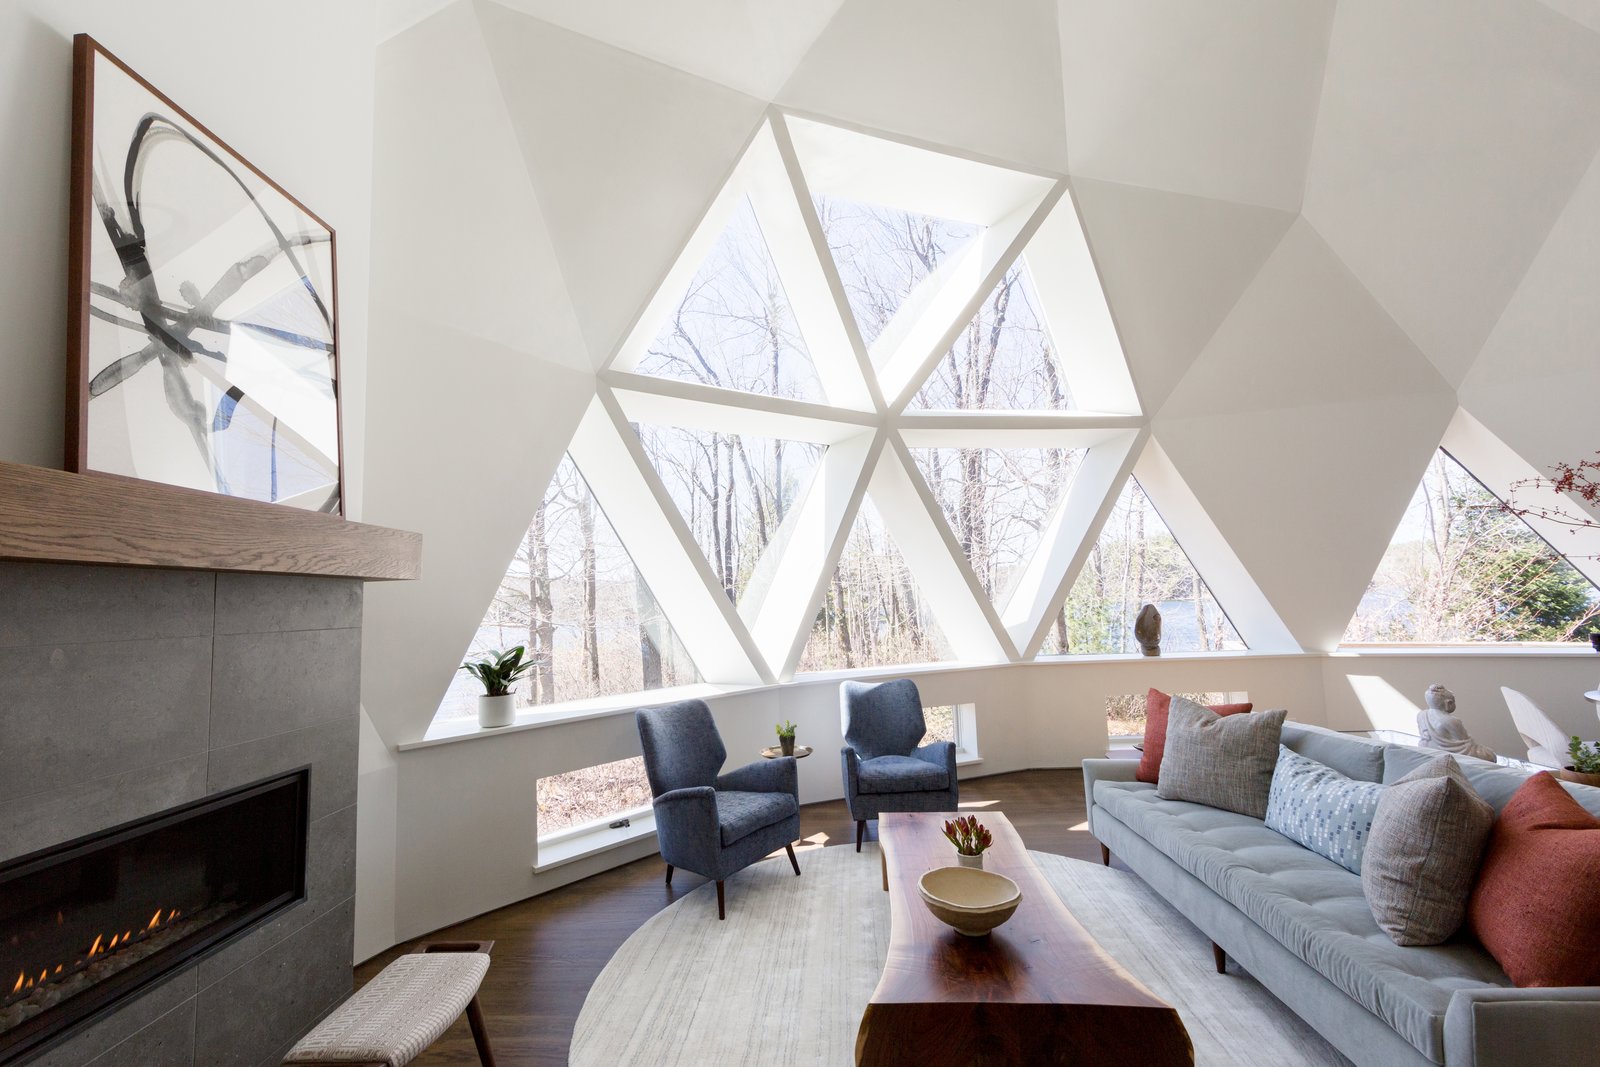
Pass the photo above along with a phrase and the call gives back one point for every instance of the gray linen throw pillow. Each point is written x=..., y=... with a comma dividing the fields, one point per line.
x=1222, y=761
x=1422, y=856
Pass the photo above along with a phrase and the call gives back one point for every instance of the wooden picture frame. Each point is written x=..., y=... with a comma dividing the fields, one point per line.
x=203, y=329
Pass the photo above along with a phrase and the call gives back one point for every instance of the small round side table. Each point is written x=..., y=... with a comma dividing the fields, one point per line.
x=800, y=752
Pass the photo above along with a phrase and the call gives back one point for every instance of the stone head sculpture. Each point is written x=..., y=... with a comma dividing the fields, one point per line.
x=1147, y=630
x=1440, y=699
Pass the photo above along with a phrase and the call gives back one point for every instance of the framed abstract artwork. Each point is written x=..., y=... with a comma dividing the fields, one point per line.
x=204, y=316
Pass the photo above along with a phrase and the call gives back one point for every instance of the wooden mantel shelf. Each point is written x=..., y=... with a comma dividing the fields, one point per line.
x=54, y=516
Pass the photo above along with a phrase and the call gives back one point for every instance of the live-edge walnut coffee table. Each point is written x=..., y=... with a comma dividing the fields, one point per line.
x=1038, y=990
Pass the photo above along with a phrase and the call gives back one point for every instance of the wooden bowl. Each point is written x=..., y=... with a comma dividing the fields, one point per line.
x=971, y=900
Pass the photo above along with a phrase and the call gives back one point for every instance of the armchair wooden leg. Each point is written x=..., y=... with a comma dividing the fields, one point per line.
x=480, y=1034
x=861, y=830
x=722, y=907
x=1221, y=958
x=1105, y=858
x=669, y=874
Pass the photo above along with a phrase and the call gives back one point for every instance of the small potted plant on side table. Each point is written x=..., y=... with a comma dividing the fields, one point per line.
x=970, y=837
x=1585, y=769
x=786, y=737
x=498, y=672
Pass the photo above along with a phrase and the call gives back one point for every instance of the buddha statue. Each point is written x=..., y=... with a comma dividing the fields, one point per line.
x=1440, y=729
x=1147, y=630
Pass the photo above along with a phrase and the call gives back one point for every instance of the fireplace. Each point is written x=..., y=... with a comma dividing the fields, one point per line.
x=86, y=924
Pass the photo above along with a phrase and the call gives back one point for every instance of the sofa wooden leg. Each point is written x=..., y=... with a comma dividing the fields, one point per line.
x=1221, y=958
x=722, y=906
x=861, y=831
x=669, y=874
x=480, y=1033
x=1105, y=858
x=792, y=861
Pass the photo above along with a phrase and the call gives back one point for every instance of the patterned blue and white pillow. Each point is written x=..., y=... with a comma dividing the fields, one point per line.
x=1315, y=805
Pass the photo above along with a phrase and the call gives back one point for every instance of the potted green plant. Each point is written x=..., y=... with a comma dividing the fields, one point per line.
x=786, y=737
x=1585, y=768
x=498, y=672
x=970, y=837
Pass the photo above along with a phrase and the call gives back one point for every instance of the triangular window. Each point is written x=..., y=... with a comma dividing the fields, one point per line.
x=1462, y=568
x=873, y=613
x=1137, y=561
x=884, y=255
x=997, y=502
x=734, y=491
x=573, y=597
x=734, y=327
x=1005, y=359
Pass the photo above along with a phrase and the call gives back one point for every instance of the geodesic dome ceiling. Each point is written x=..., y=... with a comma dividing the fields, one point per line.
x=1323, y=237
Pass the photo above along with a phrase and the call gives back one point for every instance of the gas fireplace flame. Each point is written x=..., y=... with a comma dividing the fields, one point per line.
x=102, y=946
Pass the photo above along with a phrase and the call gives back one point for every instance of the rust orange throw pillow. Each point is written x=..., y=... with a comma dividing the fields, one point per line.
x=1156, y=704
x=1537, y=901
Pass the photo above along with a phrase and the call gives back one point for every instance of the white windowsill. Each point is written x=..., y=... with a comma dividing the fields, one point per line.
x=580, y=842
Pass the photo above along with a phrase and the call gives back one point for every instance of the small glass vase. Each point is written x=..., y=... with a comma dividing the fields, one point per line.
x=787, y=744
x=970, y=861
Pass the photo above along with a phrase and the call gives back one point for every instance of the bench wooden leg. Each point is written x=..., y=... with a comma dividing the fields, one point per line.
x=861, y=831
x=792, y=861
x=1105, y=855
x=1221, y=958
x=480, y=1033
x=722, y=907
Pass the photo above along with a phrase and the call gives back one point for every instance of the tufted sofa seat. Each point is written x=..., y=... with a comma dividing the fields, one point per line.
x=1300, y=923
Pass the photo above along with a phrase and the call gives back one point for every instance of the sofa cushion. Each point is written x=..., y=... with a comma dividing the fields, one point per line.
x=1491, y=781
x=1312, y=906
x=1157, y=706
x=1354, y=757
x=1316, y=806
x=901, y=774
x=1537, y=901
x=1223, y=761
x=1427, y=839
x=742, y=814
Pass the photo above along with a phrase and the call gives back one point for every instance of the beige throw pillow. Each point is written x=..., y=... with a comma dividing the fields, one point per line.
x=1423, y=853
x=1223, y=761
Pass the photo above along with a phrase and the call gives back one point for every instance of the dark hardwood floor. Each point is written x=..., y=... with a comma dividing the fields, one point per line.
x=549, y=949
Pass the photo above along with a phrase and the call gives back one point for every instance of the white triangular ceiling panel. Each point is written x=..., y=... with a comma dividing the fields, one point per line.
x=985, y=78
x=1452, y=133
x=1214, y=99
x=751, y=47
x=1172, y=266
x=625, y=155
x=1536, y=381
x=442, y=135
x=1302, y=430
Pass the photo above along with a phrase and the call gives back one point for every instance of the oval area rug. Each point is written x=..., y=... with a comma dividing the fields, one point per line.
x=785, y=979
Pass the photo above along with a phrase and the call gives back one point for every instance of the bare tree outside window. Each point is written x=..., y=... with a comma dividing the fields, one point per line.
x=573, y=596
x=1463, y=568
x=1136, y=561
x=734, y=328
x=873, y=614
x=997, y=501
x=1004, y=359
x=734, y=491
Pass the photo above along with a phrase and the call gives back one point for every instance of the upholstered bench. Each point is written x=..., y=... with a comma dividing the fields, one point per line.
x=407, y=1007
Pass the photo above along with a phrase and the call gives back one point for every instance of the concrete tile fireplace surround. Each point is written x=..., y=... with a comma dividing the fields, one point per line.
x=125, y=692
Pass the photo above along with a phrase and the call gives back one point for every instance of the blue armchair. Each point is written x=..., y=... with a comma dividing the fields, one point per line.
x=714, y=824
x=884, y=769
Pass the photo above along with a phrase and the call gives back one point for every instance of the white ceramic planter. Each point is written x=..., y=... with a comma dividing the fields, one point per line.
x=497, y=711
x=970, y=861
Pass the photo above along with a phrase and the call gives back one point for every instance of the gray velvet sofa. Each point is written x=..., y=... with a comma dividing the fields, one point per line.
x=1300, y=924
